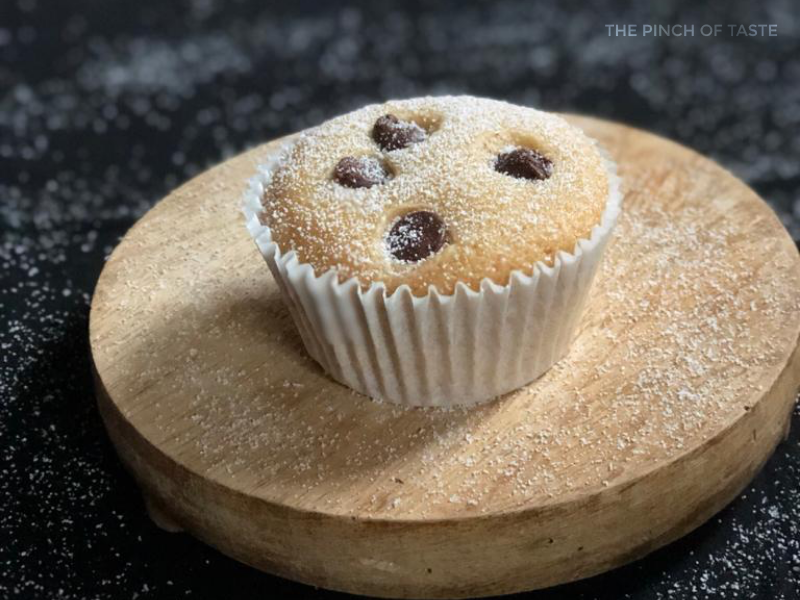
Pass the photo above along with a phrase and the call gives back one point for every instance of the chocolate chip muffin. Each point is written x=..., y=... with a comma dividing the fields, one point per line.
x=435, y=251
x=436, y=191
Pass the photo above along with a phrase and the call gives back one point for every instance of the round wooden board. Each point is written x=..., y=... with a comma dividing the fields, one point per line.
x=678, y=387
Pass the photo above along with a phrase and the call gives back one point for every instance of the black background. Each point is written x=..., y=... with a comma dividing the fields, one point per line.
x=107, y=105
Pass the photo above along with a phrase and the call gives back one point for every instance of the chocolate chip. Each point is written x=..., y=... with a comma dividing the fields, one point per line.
x=359, y=172
x=524, y=163
x=416, y=235
x=390, y=133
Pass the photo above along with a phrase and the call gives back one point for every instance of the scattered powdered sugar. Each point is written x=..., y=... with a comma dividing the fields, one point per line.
x=80, y=161
x=138, y=70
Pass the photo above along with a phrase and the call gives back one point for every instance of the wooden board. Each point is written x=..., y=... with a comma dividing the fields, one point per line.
x=676, y=390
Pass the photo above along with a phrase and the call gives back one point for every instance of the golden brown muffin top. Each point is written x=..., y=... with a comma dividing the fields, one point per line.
x=433, y=191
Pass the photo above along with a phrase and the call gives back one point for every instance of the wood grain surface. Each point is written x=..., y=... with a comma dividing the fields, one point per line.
x=677, y=388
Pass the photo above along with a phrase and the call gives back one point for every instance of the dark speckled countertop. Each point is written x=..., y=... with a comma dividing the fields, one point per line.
x=107, y=105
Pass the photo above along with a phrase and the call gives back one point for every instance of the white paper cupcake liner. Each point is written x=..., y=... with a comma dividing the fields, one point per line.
x=437, y=350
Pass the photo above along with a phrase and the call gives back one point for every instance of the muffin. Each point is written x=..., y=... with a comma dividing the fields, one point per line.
x=435, y=251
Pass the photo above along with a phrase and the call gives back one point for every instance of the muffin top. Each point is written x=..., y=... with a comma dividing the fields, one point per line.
x=436, y=191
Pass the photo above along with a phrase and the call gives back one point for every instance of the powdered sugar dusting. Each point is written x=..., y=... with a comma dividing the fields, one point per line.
x=498, y=223
x=81, y=166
